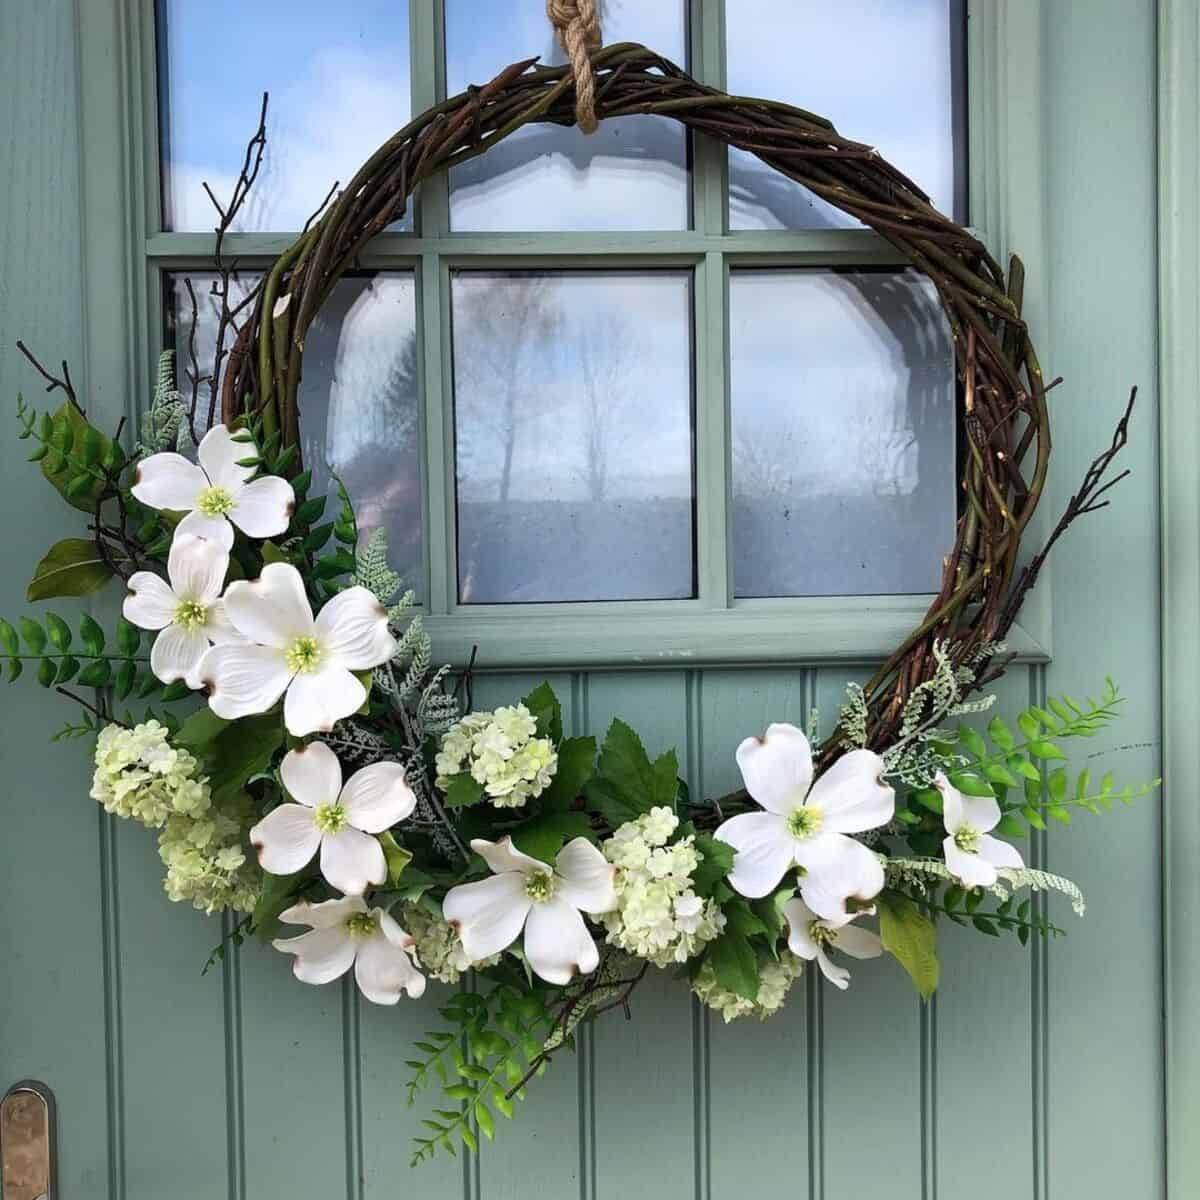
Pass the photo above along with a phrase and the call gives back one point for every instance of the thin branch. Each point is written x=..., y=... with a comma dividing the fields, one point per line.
x=53, y=382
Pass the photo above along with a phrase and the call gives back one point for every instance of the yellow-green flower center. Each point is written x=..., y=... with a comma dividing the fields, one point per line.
x=540, y=886
x=822, y=934
x=967, y=839
x=303, y=655
x=330, y=818
x=804, y=821
x=361, y=925
x=215, y=501
x=190, y=615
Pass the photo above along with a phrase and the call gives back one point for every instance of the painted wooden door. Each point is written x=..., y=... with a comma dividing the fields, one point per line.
x=1035, y=1072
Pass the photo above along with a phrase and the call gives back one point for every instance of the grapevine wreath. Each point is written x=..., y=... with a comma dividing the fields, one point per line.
x=337, y=797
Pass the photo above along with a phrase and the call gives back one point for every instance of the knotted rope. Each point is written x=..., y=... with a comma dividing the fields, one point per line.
x=577, y=24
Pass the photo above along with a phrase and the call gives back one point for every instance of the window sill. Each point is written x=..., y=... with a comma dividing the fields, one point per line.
x=682, y=634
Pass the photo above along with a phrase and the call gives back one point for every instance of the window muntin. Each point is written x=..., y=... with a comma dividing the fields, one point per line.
x=632, y=173
x=842, y=406
x=358, y=396
x=707, y=253
x=887, y=72
x=338, y=88
x=573, y=436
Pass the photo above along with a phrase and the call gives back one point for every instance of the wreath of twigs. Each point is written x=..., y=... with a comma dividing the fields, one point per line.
x=1000, y=382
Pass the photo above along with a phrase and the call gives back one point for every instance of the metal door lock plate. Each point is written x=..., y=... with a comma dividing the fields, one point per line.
x=27, y=1142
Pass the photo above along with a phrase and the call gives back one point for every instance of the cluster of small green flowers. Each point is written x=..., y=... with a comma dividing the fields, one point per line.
x=141, y=776
x=501, y=752
x=206, y=864
x=658, y=915
x=774, y=982
x=438, y=948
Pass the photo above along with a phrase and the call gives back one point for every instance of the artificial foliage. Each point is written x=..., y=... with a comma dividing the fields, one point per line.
x=271, y=706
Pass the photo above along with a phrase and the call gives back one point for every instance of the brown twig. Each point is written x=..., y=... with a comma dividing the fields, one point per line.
x=53, y=382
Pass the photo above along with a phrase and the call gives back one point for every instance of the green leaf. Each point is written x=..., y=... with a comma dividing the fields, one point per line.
x=486, y=1125
x=742, y=919
x=735, y=964
x=576, y=765
x=272, y=554
x=72, y=567
x=275, y=894
x=8, y=638
x=543, y=837
x=67, y=668
x=463, y=791
x=396, y=855
x=546, y=710
x=91, y=634
x=911, y=939
x=59, y=631
x=1043, y=749
x=715, y=864
x=1010, y=826
x=69, y=424
x=15, y=667
x=96, y=674
x=973, y=741
x=34, y=635
x=1001, y=734
x=242, y=750
x=1020, y=765
x=628, y=784
x=1000, y=775
x=1029, y=725
x=47, y=669
x=198, y=731
x=971, y=784
x=126, y=674
x=318, y=537
x=129, y=637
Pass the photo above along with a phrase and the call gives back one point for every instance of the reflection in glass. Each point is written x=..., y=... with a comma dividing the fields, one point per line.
x=339, y=85
x=358, y=400
x=886, y=72
x=573, y=433
x=630, y=174
x=843, y=414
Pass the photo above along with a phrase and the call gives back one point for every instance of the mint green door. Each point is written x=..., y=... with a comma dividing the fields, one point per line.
x=1035, y=1073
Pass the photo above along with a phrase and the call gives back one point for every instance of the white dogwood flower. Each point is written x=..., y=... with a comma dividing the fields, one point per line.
x=187, y=611
x=217, y=491
x=545, y=901
x=345, y=933
x=339, y=821
x=286, y=650
x=811, y=936
x=806, y=824
x=971, y=854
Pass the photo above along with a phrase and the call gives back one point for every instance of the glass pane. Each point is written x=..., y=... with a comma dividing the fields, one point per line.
x=573, y=427
x=358, y=399
x=885, y=72
x=339, y=85
x=630, y=174
x=843, y=408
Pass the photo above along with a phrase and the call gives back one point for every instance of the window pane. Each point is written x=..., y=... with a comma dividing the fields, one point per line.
x=843, y=407
x=630, y=174
x=885, y=72
x=339, y=85
x=358, y=400
x=573, y=427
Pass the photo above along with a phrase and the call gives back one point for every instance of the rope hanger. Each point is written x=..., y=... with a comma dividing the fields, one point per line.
x=577, y=26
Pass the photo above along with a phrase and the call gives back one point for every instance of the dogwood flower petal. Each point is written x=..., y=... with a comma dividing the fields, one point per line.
x=217, y=626
x=586, y=877
x=212, y=529
x=383, y=969
x=322, y=955
x=273, y=609
x=150, y=603
x=1000, y=854
x=168, y=481
x=353, y=628
x=243, y=679
x=218, y=454
x=324, y=915
x=859, y=943
x=811, y=936
x=196, y=568
x=777, y=768
x=557, y=941
x=177, y=654
x=837, y=868
x=852, y=796
x=351, y=860
x=317, y=700
x=286, y=839
x=264, y=508
x=377, y=797
x=488, y=914
x=765, y=850
x=312, y=774
x=502, y=855
x=970, y=869
x=980, y=813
